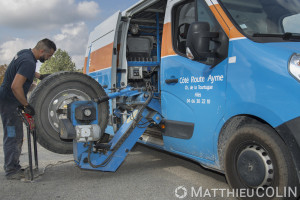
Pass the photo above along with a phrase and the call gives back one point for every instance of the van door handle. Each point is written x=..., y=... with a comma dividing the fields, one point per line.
x=172, y=80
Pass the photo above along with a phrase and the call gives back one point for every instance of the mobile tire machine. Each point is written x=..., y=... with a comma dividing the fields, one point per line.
x=82, y=126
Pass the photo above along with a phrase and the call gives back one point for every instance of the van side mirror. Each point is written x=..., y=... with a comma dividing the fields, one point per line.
x=198, y=41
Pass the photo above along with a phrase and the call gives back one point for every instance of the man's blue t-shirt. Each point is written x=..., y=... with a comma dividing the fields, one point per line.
x=24, y=63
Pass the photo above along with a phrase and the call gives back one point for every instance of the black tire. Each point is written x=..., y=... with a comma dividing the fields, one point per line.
x=257, y=159
x=55, y=92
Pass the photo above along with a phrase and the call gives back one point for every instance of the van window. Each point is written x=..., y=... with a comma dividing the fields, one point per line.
x=249, y=15
x=265, y=20
x=185, y=14
x=291, y=24
x=204, y=15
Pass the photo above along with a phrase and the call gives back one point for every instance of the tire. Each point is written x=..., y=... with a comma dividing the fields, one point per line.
x=257, y=159
x=55, y=92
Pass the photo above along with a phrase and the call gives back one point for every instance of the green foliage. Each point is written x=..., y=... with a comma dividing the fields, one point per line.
x=2, y=72
x=79, y=70
x=60, y=61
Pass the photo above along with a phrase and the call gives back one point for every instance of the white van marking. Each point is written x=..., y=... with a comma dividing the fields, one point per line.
x=232, y=59
x=168, y=56
x=168, y=10
x=211, y=2
x=239, y=38
x=100, y=70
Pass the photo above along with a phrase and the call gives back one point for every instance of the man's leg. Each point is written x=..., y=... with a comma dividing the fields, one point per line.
x=13, y=138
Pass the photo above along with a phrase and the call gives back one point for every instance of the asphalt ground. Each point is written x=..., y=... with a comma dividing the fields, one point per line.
x=147, y=173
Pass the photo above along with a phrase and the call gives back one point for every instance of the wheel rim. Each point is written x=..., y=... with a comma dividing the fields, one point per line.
x=60, y=102
x=255, y=167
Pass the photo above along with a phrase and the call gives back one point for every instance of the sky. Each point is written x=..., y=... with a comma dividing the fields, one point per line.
x=67, y=22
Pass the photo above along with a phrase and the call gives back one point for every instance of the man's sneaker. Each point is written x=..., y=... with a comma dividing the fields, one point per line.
x=16, y=176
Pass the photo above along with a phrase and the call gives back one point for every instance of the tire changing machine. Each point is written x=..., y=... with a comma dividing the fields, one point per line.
x=82, y=126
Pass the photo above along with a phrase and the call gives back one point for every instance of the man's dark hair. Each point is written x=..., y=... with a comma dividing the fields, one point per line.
x=46, y=44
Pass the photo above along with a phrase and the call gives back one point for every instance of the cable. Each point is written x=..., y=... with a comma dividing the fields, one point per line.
x=45, y=168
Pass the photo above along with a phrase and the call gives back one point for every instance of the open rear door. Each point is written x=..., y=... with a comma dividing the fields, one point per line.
x=101, y=55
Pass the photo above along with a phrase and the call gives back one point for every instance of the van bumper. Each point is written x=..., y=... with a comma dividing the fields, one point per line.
x=290, y=133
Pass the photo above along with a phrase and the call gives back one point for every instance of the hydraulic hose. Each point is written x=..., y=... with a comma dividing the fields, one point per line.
x=124, y=137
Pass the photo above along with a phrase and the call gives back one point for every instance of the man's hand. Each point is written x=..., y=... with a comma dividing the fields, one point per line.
x=42, y=76
x=29, y=110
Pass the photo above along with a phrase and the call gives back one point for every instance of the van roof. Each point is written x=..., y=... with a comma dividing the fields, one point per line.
x=132, y=7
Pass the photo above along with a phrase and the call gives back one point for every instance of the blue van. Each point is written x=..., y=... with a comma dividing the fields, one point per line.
x=225, y=76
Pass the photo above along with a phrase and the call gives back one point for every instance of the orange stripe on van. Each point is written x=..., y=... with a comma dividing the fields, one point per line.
x=101, y=58
x=225, y=22
x=167, y=47
x=85, y=63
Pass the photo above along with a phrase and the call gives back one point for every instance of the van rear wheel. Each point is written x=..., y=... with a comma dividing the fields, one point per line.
x=50, y=100
x=256, y=159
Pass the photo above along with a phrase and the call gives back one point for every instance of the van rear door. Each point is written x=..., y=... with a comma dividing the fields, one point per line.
x=101, y=51
x=101, y=54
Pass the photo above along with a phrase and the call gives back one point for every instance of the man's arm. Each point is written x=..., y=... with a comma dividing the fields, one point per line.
x=37, y=75
x=17, y=89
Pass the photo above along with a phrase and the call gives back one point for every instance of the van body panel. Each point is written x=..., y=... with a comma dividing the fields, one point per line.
x=128, y=10
x=253, y=80
x=198, y=97
x=285, y=47
x=167, y=48
x=101, y=58
x=99, y=55
x=101, y=43
x=138, y=7
x=259, y=82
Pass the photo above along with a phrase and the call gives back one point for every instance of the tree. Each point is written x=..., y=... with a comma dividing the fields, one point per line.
x=2, y=72
x=60, y=61
x=79, y=70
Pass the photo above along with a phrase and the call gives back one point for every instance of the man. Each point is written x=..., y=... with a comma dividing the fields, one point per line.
x=17, y=81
